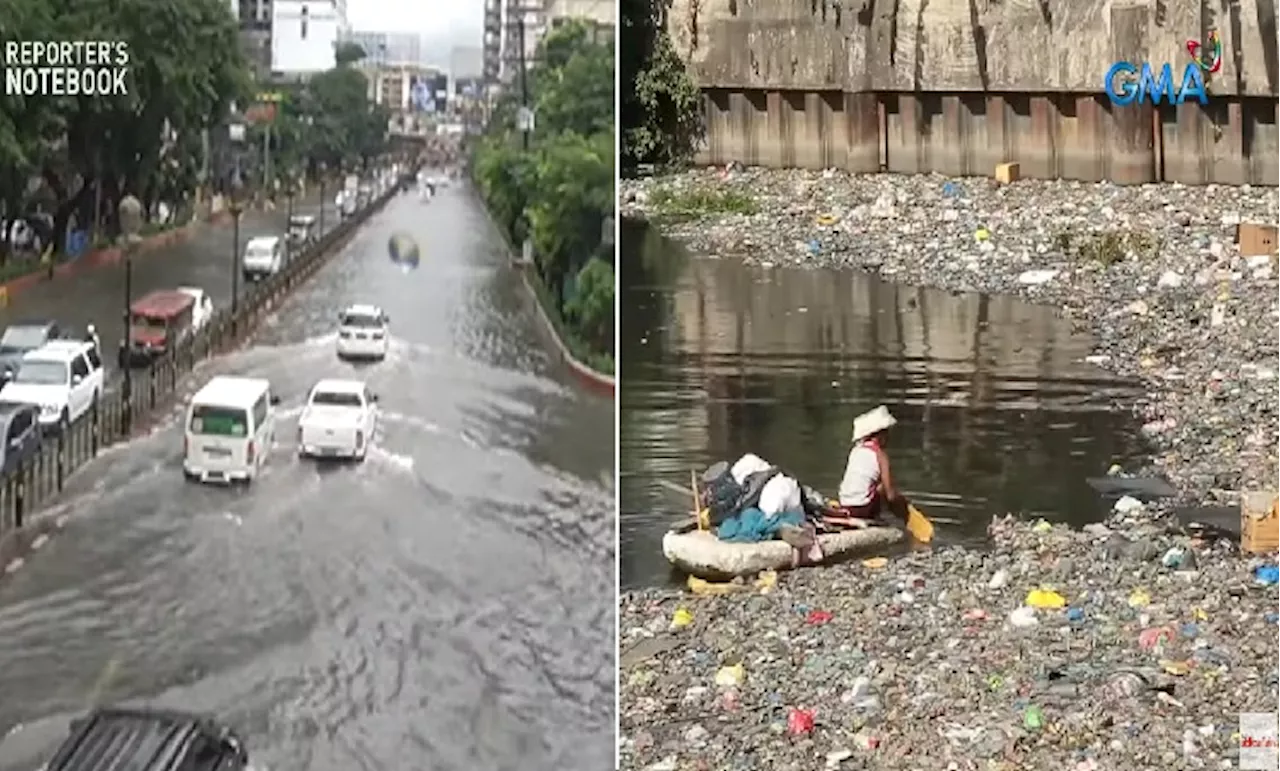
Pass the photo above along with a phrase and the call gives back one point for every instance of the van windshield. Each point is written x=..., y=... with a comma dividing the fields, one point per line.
x=260, y=250
x=219, y=421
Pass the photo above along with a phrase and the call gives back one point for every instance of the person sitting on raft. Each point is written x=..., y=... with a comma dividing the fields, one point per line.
x=867, y=486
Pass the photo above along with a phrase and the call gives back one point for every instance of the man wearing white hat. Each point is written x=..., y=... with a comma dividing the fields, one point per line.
x=867, y=483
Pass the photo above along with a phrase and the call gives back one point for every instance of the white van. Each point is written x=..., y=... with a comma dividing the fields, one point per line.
x=230, y=429
x=263, y=256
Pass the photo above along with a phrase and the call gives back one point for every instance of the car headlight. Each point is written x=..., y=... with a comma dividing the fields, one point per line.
x=50, y=409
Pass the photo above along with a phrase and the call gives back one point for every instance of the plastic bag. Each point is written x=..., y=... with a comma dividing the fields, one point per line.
x=746, y=466
x=782, y=493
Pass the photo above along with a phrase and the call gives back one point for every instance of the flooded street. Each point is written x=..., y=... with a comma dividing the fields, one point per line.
x=997, y=409
x=448, y=604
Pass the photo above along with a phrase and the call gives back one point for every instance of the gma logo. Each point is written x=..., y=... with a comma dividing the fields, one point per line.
x=1126, y=84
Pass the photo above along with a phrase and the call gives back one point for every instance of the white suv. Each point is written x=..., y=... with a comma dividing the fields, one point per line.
x=64, y=378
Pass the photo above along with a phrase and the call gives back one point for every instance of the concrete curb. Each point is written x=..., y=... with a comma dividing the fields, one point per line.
x=95, y=259
x=593, y=380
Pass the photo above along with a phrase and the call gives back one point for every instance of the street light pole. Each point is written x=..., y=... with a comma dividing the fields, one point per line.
x=524, y=81
x=130, y=213
x=323, y=170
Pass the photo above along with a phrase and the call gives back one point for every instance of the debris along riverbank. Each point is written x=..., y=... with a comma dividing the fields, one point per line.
x=939, y=661
x=1150, y=270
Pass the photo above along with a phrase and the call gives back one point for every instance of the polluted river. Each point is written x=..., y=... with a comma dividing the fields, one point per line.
x=998, y=409
x=1088, y=631
x=446, y=604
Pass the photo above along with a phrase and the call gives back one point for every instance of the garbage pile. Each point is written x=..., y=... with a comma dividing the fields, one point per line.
x=1121, y=646
x=1153, y=271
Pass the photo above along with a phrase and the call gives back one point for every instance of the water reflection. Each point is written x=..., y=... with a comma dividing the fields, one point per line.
x=997, y=410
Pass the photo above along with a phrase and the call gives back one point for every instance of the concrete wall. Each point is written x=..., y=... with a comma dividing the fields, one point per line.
x=956, y=87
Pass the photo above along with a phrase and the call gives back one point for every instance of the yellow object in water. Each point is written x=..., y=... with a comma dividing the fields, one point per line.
x=1041, y=527
x=919, y=525
x=1175, y=668
x=875, y=563
x=709, y=588
x=1045, y=598
x=731, y=677
x=825, y=220
x=1139, y=599
x=981, y=234
x=681, y=618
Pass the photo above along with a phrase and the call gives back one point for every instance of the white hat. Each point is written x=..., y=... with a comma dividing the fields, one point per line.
x=871, y=422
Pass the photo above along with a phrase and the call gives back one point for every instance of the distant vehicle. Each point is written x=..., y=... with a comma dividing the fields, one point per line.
x=157, y=322
x=22, y=337
x=202, y=307
x=63, y=377
x=231, y=426
x=338, y=421
x=346, y=203
x=301, y=228
x=148, y=740
x=364, y=194
x=263, y=256
x=362, y=332
x=20, y=427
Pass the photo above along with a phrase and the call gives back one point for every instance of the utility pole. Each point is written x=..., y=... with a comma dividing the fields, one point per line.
x=524, y=82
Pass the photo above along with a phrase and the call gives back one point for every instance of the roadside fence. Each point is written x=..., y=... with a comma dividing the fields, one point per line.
x=116, y=415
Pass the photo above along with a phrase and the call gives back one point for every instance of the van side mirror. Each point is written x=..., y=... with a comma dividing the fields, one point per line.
x=373, y=398
x=77, y=379
x=275, y=400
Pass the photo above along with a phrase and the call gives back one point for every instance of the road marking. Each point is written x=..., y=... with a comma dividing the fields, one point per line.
x=109, y=672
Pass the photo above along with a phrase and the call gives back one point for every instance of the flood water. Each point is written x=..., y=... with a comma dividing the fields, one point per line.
x=997, y=410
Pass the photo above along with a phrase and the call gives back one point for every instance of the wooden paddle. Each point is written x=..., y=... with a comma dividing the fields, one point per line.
x=919, y=525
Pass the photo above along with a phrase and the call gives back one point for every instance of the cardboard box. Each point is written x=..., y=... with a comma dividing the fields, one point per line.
x=1007, y=173
x=1259, y=523
x=1256, y=239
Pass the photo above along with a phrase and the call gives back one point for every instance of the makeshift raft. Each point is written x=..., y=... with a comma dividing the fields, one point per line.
x=702, y=554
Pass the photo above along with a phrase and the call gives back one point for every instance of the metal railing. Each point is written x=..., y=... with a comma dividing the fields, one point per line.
x=40, y=478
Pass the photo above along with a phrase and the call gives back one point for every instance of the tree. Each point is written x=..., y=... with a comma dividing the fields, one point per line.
x=661, y=105
x=349, y=53
x=185, y=69
x=577, y=96
x=346, y=127
x=591, y=309
x=572, y=194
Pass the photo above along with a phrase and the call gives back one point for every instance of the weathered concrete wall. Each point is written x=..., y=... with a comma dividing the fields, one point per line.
x=964, y=45
x=1233, y=140
x=957, y=87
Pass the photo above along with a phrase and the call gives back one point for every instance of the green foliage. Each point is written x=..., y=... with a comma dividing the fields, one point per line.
x=560, y=191
x=661, y=105
x=699, y=202
x=349, y=53
x=591, y=309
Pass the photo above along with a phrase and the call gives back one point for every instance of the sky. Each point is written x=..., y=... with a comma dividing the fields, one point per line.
x=448, y=24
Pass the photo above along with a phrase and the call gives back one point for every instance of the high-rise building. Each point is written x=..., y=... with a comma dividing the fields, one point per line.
x=388, y=49
x=305, y=35
x=492, y=42
x=290, y=37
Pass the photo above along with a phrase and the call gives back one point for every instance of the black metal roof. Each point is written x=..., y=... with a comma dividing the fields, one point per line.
x=119, y=739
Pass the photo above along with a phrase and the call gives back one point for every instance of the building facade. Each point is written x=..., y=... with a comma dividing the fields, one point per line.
x=305, y=35
x=388, y=49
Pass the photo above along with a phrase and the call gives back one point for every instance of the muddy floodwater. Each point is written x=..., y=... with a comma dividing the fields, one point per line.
x=998, y=410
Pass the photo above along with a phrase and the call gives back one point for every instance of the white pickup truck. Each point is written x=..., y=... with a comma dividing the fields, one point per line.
x=338, y=421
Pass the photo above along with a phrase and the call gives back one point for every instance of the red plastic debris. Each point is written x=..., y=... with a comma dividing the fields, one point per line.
x=799, y=721
x=818, y=617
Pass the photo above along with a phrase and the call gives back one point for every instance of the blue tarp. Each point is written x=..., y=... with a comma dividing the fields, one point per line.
x=752, y=525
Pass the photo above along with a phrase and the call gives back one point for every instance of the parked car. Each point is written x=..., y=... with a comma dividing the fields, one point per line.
x=64, y=378
x=148, y=740
x=22, y=337
x=301, y=228
x=157, y=322
x=263, y=256
x=363, y=331
x=338, y=421
x=202, y=307
x=20, y=427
